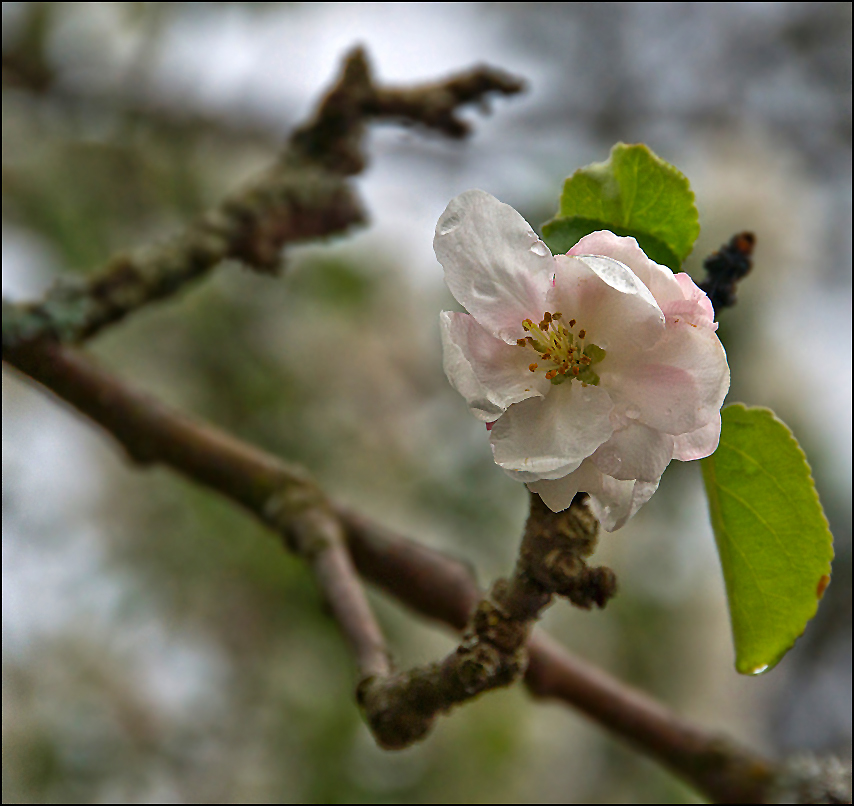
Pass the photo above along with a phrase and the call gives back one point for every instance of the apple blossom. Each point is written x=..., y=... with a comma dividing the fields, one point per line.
x=592, y=370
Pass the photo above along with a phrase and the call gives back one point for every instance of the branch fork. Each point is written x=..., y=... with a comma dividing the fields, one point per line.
x=401, y=708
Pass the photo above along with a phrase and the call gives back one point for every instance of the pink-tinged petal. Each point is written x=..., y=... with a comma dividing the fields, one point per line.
x=463, y=378
x=678, y=386
x=657, y=278
x=495, y=265
x=634, y=452
x=695, y=306
x=700, y=443
x=606, y=299
x=500, y=369
x=549, y=437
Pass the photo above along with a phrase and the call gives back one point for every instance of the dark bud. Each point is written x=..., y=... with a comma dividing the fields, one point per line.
x=726, y=267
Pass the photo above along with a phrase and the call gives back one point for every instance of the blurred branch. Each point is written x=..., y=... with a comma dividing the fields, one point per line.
x=305, y=195
x=282, y=495
x=284, y=498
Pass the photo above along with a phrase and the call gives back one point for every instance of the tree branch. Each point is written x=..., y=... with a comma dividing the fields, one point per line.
x=305, y=195
x=436, y=586
x=401, y=709
x=283, y=496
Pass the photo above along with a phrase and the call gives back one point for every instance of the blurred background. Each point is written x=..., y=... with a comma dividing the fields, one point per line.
x=158, y=646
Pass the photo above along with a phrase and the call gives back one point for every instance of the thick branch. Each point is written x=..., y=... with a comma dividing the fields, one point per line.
x=281, y=495
x=434, y=585
x=305, y=195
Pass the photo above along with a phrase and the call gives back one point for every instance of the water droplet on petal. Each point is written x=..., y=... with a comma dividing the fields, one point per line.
x=632, y=413
x=539, y=248
x=759, y=669
x=448, y=224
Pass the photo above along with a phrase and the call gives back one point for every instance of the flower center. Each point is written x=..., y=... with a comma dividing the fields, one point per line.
x=562, y=349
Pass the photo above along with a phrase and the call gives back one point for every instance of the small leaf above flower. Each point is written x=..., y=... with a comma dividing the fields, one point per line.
x=634, y=193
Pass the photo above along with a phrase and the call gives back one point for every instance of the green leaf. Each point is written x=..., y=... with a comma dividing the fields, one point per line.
x=773, y=538
x=633, y=193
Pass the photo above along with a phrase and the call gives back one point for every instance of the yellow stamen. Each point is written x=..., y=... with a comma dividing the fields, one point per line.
x=561, y=348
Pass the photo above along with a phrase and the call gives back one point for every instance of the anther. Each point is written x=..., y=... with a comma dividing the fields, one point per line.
x=532, y=367
x=521, y=342
x=550, y=374
x=575, y=370
x=572, y=322
x=547, y=317
x=582, y=334
x=557, y=315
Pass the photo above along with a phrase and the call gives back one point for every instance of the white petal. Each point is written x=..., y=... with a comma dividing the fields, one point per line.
x=557, y=494
x=495, y=265
x=613, y=502
x=608, y=302
x=616, y=501
x=700, y=443
x=551, y=436
x=676, y=387
x=657, y=278
x=634, y=452
x=501, y=370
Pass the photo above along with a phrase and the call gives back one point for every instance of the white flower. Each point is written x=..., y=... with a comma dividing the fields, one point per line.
x=592, y=369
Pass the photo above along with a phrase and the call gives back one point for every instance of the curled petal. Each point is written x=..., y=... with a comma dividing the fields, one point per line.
x=614, y=307
x=495, y=265
x=549, y=437
x=700, y=443
x=657, y=278
x=486, y=367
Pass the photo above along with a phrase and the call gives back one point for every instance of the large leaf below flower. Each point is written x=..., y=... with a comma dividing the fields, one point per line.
x=633, y=193
x=773, y=538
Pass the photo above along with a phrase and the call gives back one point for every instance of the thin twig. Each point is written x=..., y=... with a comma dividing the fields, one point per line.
x=434, y=585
